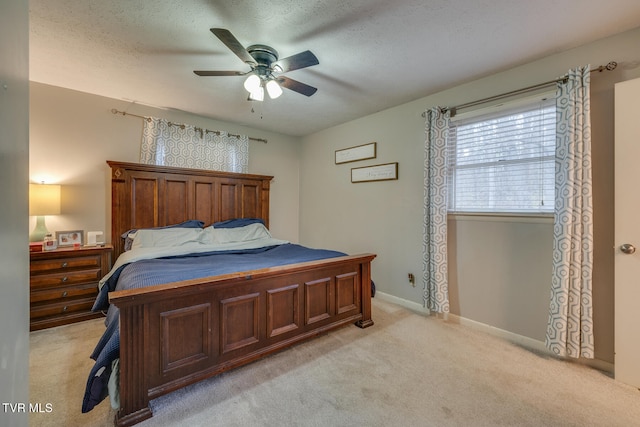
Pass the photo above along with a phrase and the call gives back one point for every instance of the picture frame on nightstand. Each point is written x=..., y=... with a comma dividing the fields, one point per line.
x=69, y=238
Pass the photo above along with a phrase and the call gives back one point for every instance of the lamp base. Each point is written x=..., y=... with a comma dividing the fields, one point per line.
x=38, y=233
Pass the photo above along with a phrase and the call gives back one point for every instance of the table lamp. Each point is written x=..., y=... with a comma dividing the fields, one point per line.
x=44, y=199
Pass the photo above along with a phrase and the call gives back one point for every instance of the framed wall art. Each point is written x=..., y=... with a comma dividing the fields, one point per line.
x=385, y=172
x=353, y=154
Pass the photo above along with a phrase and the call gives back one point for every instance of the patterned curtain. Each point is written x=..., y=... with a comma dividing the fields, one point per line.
x=434, y=245
x=170, y=144
x=570, y=326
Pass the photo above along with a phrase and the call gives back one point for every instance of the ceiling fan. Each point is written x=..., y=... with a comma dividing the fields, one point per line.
x=266, y=68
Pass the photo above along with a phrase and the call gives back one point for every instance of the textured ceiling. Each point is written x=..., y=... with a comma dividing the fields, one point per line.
x=374, y=54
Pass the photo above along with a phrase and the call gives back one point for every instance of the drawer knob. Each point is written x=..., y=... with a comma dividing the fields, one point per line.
x=65, y=309
x=64, y=265
x=64, y=294
x=64, y=279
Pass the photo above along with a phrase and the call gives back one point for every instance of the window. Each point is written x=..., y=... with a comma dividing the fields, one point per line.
x=504, y=162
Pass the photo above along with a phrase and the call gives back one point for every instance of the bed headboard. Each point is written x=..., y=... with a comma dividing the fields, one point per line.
x=144, y=196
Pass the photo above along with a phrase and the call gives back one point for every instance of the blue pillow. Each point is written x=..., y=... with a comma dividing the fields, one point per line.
x=238, y=222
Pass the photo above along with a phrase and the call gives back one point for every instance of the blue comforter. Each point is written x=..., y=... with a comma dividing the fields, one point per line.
x=151, y=272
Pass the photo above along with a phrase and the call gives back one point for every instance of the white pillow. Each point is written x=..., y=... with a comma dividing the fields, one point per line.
x=220, y=236
x=147, y=238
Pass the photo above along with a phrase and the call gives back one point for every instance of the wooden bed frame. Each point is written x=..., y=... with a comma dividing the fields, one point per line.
x=179, y=333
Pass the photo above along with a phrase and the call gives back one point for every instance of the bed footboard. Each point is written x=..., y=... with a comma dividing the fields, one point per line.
x=176, y=334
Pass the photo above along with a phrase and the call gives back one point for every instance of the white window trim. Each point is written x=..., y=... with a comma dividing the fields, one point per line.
x=537, y=218
x=497, y=108
x=504, y=105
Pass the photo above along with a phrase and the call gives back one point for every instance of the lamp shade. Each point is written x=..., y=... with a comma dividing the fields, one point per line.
x=257, y=94
x=274, y=89
x=252, y=83
x=44, y=199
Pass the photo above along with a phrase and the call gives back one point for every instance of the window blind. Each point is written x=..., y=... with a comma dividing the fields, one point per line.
x=504, y=162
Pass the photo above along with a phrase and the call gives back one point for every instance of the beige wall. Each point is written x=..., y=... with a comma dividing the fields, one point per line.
x=14, y=262
x=72, y=134
x=499, y=268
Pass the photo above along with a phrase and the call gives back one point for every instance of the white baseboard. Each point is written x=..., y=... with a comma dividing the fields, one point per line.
x=526, y=342
x=413, y=306
x=529, y=343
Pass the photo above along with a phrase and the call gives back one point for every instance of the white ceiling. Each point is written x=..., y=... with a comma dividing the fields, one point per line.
x=374, y=54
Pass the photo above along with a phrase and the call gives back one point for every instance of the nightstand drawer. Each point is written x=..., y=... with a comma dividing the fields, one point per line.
x=69, y=263
x=87, y=291
x=65, y=278
x=62, y=307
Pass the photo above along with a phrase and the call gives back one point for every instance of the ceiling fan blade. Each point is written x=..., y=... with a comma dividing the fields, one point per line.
x=296, y=86
x=232, y=43
x=297, y=61
x=219, y=73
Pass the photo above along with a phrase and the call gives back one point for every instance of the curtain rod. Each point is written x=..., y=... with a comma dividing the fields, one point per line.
x=217, y=132
x=610, y=66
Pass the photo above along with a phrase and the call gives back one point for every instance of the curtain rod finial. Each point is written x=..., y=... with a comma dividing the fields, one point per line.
x=609, y=67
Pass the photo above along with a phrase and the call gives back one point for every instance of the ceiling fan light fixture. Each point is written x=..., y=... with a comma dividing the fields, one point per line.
x=252, y=83
x=274, y=89
x=264, y=63
x=257, y=94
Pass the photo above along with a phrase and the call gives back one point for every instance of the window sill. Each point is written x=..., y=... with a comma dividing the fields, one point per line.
x=546, y=218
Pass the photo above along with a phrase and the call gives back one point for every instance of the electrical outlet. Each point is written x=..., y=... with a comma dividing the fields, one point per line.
x=412, y=279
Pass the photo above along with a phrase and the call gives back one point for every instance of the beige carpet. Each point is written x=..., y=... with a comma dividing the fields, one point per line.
x=406, y=370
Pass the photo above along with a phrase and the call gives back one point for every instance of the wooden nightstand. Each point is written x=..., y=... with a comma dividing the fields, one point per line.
x=64, y=284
